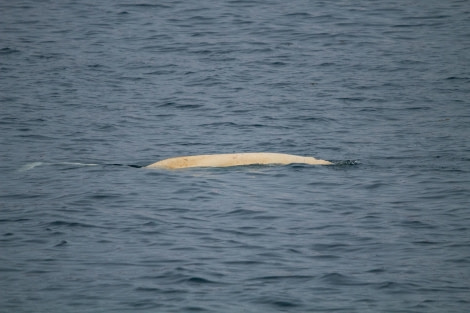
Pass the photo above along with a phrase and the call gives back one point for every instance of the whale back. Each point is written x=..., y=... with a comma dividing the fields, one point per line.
x=234, y=159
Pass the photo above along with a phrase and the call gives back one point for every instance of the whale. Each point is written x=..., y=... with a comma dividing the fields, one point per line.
x=234, y=159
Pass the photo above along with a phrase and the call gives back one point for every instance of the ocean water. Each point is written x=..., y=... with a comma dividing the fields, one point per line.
x=381, y=88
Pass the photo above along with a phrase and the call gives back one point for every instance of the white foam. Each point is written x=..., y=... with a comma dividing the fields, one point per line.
x=29, y=166
x=78, y=164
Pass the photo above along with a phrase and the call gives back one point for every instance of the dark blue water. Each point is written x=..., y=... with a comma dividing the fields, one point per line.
x=382, y=88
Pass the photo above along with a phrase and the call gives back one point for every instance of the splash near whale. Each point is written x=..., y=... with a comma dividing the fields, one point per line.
x=235, y=159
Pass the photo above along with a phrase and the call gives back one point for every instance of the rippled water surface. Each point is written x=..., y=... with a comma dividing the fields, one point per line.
x=381, y=88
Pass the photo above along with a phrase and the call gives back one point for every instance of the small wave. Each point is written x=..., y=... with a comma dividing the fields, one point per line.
x=346, y=162
x=7, y=50
x=62, y=243
x=200, y=280
x=61, y=223
x=335, y=278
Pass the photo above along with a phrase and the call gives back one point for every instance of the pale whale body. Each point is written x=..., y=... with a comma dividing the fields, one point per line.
x=234, y=159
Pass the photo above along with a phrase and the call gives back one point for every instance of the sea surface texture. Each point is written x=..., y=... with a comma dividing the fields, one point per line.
x=91, y=91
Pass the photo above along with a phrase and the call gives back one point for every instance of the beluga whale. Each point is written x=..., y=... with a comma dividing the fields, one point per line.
x=235, y=159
